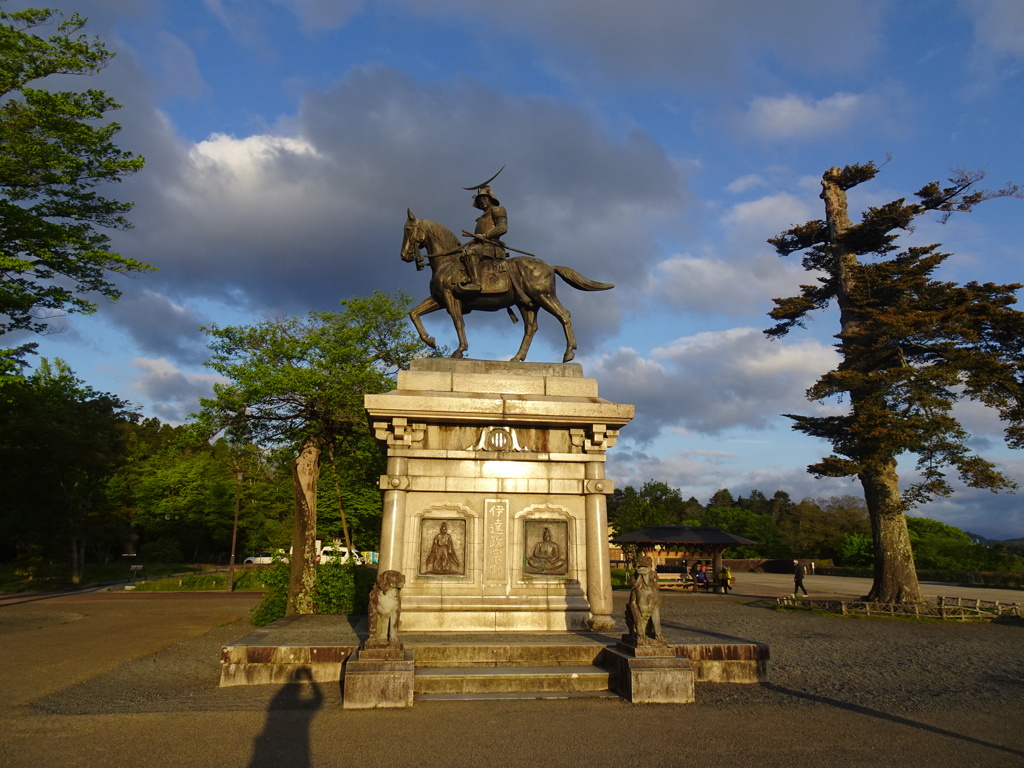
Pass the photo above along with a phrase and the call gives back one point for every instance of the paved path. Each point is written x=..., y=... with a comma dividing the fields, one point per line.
x=125, y=680
x=781, y=584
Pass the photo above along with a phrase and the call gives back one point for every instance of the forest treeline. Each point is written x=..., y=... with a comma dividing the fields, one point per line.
x=88, y=480
x=835, y=528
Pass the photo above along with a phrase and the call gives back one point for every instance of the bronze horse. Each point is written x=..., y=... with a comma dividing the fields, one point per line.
x=531, y=286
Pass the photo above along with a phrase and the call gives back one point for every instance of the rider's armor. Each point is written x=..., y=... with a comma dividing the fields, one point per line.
x=492, y=225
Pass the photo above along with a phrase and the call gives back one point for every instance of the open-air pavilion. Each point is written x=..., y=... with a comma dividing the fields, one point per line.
x=694, y=541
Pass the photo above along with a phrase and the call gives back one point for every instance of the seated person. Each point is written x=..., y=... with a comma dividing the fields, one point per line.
x=546, y=557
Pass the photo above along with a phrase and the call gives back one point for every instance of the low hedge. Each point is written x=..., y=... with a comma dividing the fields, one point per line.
x=341, y=588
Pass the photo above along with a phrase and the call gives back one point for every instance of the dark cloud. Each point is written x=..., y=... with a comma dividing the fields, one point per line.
x=160, y=327
x=681, y=43
x=173, y=393
x=713, y=381
x=297, y=219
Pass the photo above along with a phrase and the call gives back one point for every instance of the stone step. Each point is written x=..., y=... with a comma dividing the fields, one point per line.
x=491, y=680
x=541, y=655
x=516, y=695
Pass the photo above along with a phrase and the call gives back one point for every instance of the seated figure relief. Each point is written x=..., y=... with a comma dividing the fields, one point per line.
x=547, y=557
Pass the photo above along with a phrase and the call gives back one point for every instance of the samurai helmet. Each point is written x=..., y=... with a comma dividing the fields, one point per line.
x=485, y=189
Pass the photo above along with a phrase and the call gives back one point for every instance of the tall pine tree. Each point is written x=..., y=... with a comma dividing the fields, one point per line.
x=910, y=348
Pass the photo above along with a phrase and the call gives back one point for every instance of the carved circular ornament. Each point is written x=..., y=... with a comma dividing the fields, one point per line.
x=499, y=439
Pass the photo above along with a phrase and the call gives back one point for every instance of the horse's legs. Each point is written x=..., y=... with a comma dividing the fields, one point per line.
x=551, y=303
x=454, y=307
x=425, y=307
x=529, y=329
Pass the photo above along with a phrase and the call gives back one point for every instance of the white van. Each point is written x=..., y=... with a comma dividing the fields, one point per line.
x=340, y=554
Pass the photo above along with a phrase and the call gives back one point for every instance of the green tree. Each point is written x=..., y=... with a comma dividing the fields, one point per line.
x=654, y=504
x=818, y=527
x=722, y=498
x=910, y=347
x=857, y=549
x=748, y=524
x=57, y=153
x=60, y=440
x=299, y=383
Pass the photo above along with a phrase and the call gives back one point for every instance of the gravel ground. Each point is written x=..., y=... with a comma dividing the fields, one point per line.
x=895, y=666
x=842, y=692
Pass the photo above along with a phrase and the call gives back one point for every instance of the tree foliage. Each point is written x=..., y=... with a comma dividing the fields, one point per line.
x=60, y=441
x=57, y=153
x=299, y=384
x=911, y=347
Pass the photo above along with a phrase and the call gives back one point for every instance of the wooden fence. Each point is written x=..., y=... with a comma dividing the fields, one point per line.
x=945, y=608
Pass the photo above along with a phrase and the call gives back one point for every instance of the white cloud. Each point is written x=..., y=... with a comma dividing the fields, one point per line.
x=713, y=381
x=769, y=214
x=735, y=288
x=792, y=117
x=322, y=14
x=743, y=277
x=998, y=26
x=746, y=183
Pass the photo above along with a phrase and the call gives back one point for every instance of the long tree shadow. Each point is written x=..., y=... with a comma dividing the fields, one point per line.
x=867, y=711
x=284, y=739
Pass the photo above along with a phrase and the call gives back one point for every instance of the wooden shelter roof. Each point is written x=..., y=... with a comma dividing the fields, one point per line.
x=682, y=536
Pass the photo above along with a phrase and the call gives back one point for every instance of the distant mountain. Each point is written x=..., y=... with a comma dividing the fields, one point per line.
x=977, y=538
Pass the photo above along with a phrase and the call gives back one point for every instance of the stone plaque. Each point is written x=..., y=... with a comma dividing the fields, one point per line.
x=495, y=540
x=546, y=550
x=443, y=546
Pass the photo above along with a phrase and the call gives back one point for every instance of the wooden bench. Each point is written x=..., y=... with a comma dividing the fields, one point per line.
x=672, y=579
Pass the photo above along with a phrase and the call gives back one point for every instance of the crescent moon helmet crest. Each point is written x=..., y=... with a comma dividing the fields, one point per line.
x=481, y=186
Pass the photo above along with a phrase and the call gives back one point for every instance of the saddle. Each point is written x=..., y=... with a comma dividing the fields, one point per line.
x=494, y=277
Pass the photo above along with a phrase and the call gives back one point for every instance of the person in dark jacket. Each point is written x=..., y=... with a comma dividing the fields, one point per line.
x=798, y=578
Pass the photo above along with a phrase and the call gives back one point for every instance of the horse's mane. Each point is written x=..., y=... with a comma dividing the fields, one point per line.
x=446, y=240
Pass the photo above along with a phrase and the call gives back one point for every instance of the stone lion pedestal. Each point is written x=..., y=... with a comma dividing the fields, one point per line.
x=495, y=495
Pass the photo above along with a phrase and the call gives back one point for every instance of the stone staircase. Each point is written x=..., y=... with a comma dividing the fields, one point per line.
x=463, y=672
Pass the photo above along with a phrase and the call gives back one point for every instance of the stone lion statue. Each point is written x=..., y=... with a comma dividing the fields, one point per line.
x=385, y=607
x=644, y=607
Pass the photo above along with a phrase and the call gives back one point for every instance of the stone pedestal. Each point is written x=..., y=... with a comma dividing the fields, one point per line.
x=376, y=679
x=495, y=497
x=650, y=674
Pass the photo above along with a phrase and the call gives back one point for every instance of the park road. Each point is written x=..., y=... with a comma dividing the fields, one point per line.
x=130, y=679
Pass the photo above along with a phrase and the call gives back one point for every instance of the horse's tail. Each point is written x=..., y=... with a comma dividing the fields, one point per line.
x=578, y=281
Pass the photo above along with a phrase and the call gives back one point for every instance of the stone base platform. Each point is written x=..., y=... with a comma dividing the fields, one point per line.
x=477, y=664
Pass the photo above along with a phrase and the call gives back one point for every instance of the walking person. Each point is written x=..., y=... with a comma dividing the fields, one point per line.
x=798, y=578
x=725, y=579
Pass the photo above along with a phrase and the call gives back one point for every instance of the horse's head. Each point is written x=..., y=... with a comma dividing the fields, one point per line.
x=413, y=240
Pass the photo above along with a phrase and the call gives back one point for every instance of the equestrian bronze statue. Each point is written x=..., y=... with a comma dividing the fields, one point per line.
x=479, y=275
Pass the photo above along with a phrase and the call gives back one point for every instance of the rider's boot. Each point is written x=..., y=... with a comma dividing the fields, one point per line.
x=473, y=275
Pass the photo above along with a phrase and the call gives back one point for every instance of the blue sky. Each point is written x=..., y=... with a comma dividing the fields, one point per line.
x=653, y=144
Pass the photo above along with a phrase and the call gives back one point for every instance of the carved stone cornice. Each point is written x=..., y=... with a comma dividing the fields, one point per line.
x=596, y=438
x=398, y=432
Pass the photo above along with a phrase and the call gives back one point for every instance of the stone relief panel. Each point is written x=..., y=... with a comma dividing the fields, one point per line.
x=443, y=546
x=546, y=548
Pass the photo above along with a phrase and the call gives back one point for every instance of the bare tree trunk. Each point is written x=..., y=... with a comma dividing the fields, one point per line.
x=895, y=575
x=341, y=507
x=305, y=474
x=76, y=568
